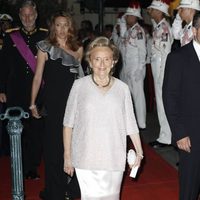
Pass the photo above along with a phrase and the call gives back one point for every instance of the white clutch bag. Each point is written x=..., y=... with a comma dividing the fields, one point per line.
x=131, y=156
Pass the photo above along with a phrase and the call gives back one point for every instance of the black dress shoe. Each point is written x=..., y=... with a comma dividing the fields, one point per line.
x=32, y=175
x=157, y=145
x=43, y=195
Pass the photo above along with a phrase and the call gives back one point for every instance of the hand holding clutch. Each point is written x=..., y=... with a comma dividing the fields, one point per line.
x=131, y=157
x=131, y=160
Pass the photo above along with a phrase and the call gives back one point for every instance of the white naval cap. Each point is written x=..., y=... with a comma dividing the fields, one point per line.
x=195, y=4
x=5, y=17
x=134, y=9
x=161, y=5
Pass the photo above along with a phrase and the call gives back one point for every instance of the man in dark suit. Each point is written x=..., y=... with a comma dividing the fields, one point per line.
x=181, y=97
x=16, y=76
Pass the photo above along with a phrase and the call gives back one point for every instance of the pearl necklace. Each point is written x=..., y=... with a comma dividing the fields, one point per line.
x=106, y=85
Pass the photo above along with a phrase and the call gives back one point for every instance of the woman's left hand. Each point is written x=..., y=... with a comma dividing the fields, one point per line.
x=35, y=113
x=137, y=162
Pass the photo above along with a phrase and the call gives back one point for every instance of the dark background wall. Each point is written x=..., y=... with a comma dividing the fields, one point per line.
x=47, y=7
x=93, y=4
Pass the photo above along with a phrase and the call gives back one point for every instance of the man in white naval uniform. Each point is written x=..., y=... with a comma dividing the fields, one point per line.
x=186, y=12
x=117, y=40
x=133, y=49
x=116, y=34
x=161, y=46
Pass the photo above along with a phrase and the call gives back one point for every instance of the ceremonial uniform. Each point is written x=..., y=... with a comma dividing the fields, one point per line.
x=185, y=34
x=186, y=14
x=133, y=70
x=117, y=40
x=133, y=49
x=5, y=23
x=161, y=46
x=16, y=78
x=16, y=74
x=117, y=34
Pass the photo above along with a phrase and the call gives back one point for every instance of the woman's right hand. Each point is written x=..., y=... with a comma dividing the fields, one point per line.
x=68, y=168
x=35, y=113
x=3, y=98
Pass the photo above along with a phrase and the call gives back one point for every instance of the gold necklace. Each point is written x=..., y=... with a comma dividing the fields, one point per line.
x=106, y=85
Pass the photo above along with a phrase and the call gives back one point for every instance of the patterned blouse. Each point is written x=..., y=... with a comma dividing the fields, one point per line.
x=101, y=123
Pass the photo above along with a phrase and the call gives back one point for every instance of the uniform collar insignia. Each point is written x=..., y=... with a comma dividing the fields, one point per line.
x=29, y=32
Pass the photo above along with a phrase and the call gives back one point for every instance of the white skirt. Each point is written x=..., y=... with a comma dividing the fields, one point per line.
x=99, y=184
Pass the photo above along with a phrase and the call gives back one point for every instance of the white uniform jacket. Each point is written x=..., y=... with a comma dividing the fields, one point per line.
x=134, y=51
x=118, y=37
x=185, y=35
x=161, y=46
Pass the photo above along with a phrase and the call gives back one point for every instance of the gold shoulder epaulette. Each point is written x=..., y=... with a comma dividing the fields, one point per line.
x=12, y=29
x=43, y=29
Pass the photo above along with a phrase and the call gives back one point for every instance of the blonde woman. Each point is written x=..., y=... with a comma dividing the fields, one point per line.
x=99, y=116
x=58, y=65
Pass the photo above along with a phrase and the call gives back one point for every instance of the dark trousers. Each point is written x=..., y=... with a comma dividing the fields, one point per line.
x=32, y=143
x=189, y=175
x=4, y=136
x=56, y=182
x=149, y=89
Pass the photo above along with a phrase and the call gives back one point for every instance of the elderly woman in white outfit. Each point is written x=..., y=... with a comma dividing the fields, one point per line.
x=99, y=115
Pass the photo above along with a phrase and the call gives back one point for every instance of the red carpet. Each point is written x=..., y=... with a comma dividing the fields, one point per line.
x=157, y=180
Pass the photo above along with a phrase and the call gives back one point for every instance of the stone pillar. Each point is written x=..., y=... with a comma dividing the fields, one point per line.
x=15, y=127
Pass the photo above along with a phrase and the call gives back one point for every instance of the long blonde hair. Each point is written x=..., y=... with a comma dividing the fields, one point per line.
x=71, y=41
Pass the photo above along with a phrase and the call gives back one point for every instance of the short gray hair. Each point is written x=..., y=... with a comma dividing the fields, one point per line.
x=102, y=42
x=28, y=3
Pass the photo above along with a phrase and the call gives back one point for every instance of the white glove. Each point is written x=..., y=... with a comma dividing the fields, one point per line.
x=131, y=156
x=123, y=26
x=153, y=23
x=122, y=19
x=178, y=17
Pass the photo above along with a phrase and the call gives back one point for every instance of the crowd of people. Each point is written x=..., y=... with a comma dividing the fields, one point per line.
x=85, y=94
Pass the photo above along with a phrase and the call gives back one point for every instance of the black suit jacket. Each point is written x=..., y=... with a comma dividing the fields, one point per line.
x=181, y=94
